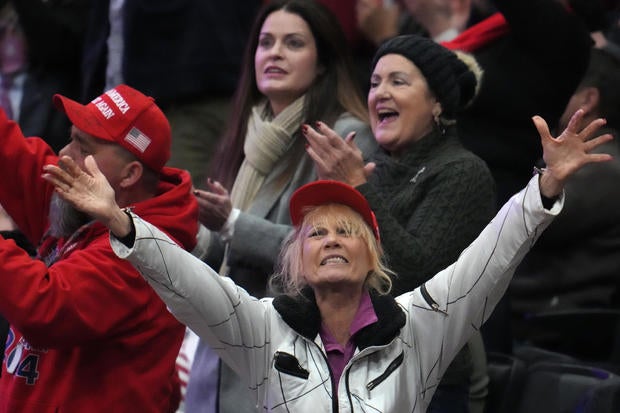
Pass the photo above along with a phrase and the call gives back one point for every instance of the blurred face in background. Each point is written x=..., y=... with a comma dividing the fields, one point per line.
x=285, y=60
x=400, y=104
x=423, y=8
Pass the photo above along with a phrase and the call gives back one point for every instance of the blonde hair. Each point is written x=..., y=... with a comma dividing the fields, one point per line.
x=289, y=275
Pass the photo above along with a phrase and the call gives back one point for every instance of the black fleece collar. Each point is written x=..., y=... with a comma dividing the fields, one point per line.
x=302, y=314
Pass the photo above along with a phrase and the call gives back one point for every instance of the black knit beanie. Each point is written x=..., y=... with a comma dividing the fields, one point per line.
x=452, y=81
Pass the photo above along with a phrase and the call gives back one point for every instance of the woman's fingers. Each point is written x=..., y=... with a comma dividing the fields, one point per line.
x=331, y=137
x=204, y=204
x=599, y=140
x=323, y=138
x=542, y=127
x=216, y=187
x=60, y=177
x=591, y=128
x=210, y=196
x=349, y=138
x=69, y=165
x=315, y=140
x=57, y=182
x=369, y=168
x=57, y=173
x=571, y=150
x=91, y=167
x=599, y=157
x=322, y=168
x=334, y=157
x=68, y=175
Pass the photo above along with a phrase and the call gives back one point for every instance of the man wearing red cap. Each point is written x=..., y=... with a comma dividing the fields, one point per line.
x=87, y=333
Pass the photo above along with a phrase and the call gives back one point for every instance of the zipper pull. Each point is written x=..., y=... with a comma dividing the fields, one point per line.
x=429, y=300
x=435, y=307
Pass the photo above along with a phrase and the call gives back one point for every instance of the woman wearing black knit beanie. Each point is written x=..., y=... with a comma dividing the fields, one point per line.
x=432, y=197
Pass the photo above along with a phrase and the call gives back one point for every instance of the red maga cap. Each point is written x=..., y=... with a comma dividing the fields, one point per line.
x=124, y=116
x=331, y=192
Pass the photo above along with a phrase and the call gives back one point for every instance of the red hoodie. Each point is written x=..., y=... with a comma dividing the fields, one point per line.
x=87, y=334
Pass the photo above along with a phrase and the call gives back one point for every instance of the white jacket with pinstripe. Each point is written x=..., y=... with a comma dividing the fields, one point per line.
x=274, y=345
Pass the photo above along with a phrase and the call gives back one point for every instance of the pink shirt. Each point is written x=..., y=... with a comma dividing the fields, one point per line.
x=338, y=356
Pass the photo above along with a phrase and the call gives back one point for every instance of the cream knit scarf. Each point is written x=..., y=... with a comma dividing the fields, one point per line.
x=266, y=141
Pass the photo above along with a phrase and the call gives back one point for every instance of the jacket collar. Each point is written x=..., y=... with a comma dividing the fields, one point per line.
x=419, y=152
x=302, y=314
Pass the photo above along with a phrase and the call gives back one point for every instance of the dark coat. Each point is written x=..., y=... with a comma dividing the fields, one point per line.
x=54, y=31
x=533, y=70
x=576, y=262
x=174, y=50
x=430, y=204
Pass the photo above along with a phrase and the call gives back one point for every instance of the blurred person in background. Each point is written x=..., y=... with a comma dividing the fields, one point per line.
x=297, y=70
x=185, y=53
x=40, y=51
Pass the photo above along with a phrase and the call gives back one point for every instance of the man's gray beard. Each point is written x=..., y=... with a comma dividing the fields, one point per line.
x=64, y=218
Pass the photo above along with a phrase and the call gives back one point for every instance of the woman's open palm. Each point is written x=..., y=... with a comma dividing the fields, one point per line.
x=88, y=191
